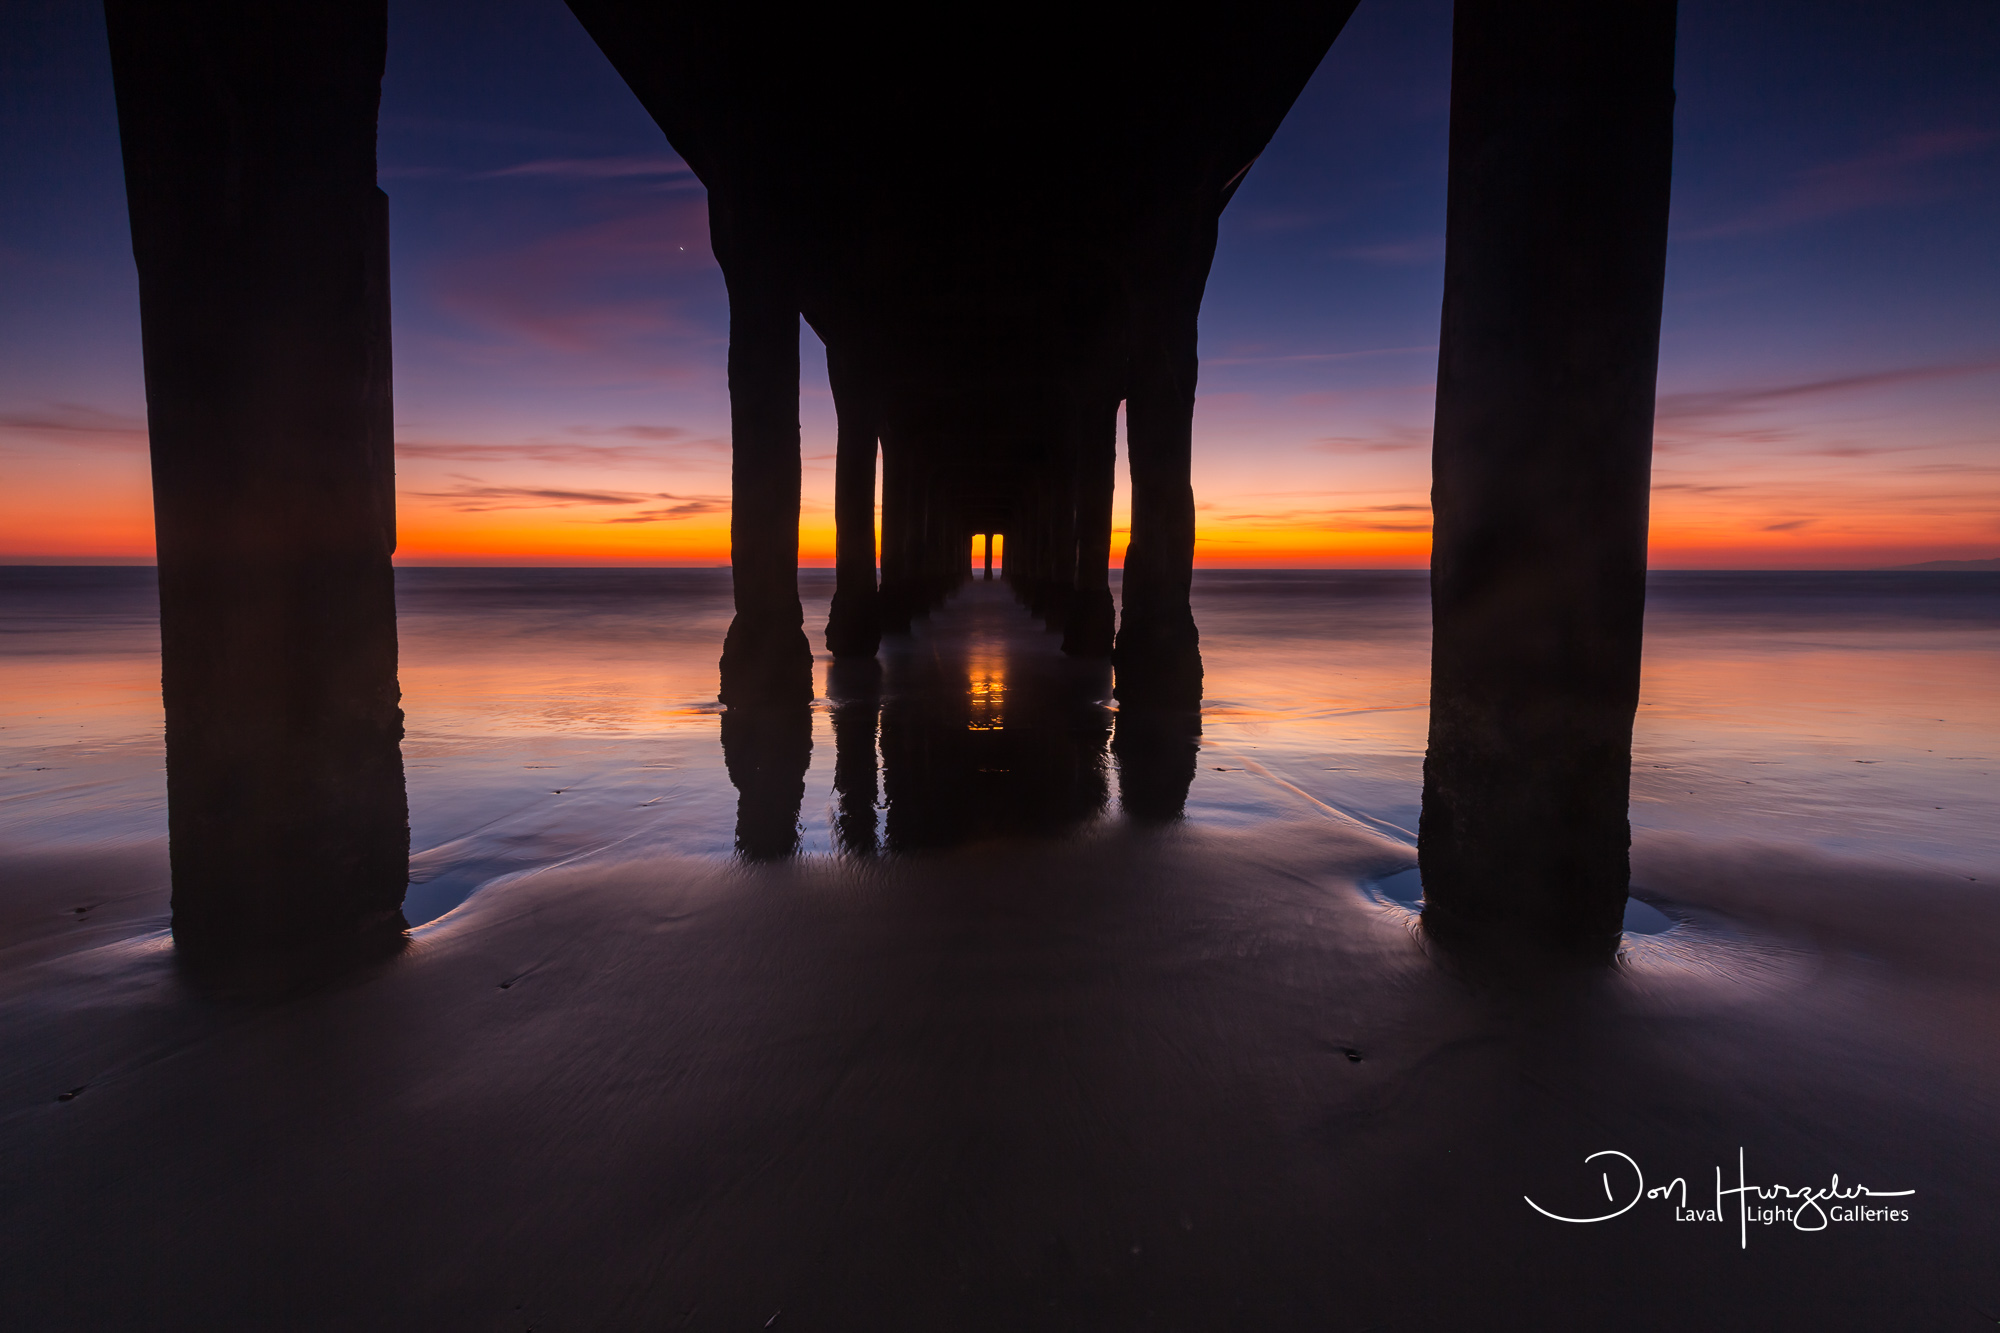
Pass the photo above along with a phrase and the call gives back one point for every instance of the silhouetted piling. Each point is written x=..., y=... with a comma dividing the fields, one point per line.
x=1093, y=620
x=902, y=505
x=987, y=312
x=766, y=658
x=1159, y=650
x=1561, y=156
x=262, y=249
x=854, y=623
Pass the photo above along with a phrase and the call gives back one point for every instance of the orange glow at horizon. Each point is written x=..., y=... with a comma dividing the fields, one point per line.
x=84, y=506
x=118, y=527
x=87, y=505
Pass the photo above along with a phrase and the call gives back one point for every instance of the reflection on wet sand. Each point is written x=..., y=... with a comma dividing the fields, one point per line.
x=555, y=712
x=767, y=748
x=854, y=687
x=987, y=730
x=1156, y=749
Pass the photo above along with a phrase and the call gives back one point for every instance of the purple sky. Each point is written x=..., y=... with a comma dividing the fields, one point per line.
x=1830, y=367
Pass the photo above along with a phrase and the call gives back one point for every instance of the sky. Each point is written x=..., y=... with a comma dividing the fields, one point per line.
x=1829, y=392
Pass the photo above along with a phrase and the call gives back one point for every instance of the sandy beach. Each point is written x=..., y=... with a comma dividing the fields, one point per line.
x=1195, y=1075
x=1154, y=1080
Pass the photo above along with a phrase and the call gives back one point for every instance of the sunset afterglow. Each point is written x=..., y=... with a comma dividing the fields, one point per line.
x=1830, y=366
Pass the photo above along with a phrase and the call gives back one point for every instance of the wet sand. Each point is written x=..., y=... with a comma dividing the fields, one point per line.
x=1101, y=1075
x=1160, y=1079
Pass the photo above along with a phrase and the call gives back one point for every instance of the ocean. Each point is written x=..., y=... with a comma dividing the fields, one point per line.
x=560, y=714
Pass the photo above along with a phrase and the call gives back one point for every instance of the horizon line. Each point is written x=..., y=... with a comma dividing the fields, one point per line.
x=1935, y=566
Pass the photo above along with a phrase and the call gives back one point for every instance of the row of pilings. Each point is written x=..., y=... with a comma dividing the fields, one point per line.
x=922, y=762
x=1001, y=231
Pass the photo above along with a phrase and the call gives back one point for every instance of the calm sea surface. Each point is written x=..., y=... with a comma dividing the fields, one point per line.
x=560, y=714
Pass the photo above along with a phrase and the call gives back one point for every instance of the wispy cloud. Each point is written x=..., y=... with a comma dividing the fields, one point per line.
x=1389, y=437
x=664, y=445
x=1718, y=402
x=555, y=453
x=471, y=496
x=1353, y=518
x=613, y=291
x=685, y=509
x=77, y=425
x=634, y=432
x=1893, y=175
x=1969, y=469
x=1751, y=416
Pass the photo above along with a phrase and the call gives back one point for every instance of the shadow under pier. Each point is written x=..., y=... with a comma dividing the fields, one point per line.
x=987, y=729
